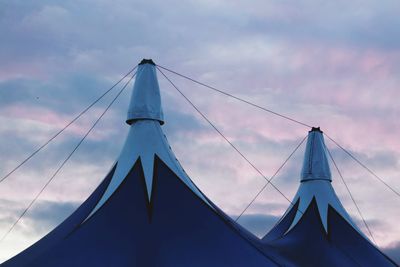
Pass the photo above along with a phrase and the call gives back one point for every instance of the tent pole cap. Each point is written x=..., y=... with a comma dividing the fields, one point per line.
x=147, y=61
x=316, y=129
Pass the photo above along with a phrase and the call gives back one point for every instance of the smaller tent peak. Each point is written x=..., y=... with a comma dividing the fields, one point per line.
x=146, y=99
x=147, y=61
x=315, y=165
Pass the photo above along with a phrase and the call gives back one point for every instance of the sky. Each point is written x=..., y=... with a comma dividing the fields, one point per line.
x=333, y=64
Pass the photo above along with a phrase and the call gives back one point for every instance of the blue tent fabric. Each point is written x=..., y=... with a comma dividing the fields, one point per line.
x=269, y=251
x=283, y=225
x=342, y=235
x=307, y=244
x=174, y=228
x=64, y=229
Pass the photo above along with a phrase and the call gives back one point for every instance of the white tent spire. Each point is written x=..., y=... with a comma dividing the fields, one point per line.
x=315, y=165
x=316, y=182
x=145, y=138
x=145, y=100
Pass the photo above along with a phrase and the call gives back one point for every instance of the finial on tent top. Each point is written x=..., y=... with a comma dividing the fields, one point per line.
x=147, y=61
x=316, y=129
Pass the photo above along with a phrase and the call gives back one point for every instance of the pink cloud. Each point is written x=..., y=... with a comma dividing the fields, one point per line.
x=14, y=71
x=56, y=120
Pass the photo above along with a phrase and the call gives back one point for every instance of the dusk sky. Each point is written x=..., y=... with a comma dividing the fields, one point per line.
x=334, y=64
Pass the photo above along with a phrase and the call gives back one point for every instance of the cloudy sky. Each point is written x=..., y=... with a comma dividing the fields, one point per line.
x=332, y=64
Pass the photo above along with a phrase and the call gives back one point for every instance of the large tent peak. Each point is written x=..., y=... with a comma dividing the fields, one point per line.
x=145, y=100
x=315, y=165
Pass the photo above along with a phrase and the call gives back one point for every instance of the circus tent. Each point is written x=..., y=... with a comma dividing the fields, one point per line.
x=147, y=211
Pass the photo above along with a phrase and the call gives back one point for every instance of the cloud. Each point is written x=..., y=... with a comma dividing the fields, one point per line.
x=258, y=224
x=393, y=251
x=43, y=216
x=47, y=215
x=370, y=25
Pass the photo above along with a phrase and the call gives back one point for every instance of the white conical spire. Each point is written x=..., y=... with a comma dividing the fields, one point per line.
x=145, y=138
x=316, y=182
x=145, y=100
x=315, y=164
